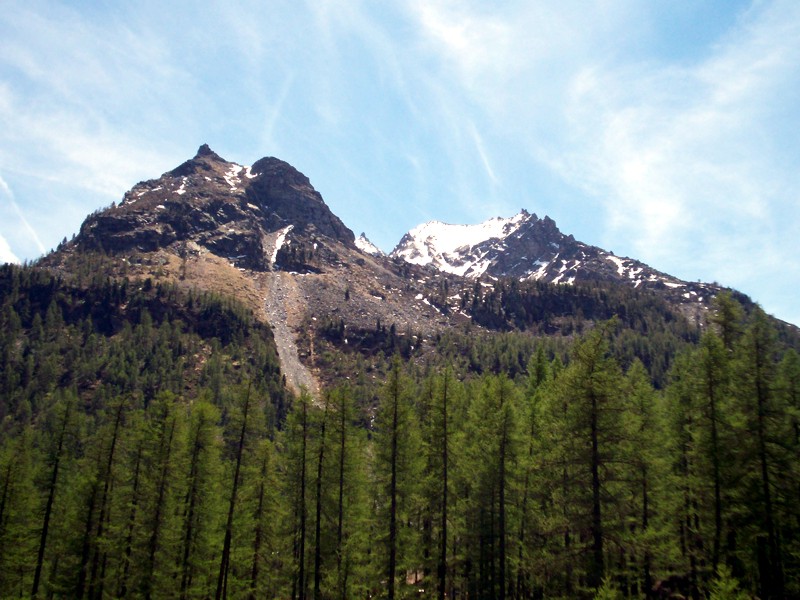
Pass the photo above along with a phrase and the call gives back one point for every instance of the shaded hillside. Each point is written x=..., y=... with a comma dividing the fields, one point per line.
x=117, y=337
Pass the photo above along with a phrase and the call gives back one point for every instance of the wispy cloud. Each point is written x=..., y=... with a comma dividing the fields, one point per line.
x=484, y=156
x=687, y=156
x=6, y=255
x=670, y=148
x=690, y=162
x=28, y=230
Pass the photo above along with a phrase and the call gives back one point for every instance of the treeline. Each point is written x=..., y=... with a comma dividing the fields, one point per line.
x=574, y=479
x=514, y=317
x=115, y=338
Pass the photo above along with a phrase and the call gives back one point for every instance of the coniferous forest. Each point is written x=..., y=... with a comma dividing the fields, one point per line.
x=150, y=449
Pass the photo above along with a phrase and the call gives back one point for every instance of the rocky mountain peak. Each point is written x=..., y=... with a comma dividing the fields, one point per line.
x=279, y=187
x=205, y=160
x=226, y=208
x=525, y=247
x=205, y=150
x=365, y=245
x=279, y=170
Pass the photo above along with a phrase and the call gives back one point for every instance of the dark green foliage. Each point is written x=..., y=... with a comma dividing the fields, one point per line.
x=121, y=338
x=149, y=450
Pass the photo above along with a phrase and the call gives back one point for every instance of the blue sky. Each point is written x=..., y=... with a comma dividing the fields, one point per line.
x=662, y=130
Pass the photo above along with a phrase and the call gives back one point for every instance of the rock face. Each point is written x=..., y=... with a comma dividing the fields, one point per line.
x=234, y=211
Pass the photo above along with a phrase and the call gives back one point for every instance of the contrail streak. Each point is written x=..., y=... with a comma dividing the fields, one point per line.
x=31, y=231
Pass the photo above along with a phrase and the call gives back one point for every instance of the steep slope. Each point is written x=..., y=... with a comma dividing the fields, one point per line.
x=263, y=235
x=244, y=213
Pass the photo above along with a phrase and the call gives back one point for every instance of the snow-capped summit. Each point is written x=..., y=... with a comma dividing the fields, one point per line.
x=525, y=247
x=363, y=244
x=464, y=250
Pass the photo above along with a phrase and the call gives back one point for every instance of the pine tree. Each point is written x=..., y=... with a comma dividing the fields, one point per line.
x=587, y=412
x=712, y=388
x=224, y=566
x=297, y=441
x=105, y=477
x=728, y=318
x=65, y=407
x=160, y=465
x=264, y=491
x=318, y=501
x=787, y=398
x=761, y=447
x=197, y=506
x=492, y=462
x=397, y=472
x=352, y=542
x=18, y=464
x=651, y=548
x=441, y=393
x=684, y=419
x=131, y=505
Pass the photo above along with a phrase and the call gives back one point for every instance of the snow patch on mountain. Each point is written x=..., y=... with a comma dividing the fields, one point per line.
x=279, y=241
x=617, y=261
x=453, y=248
x=363, y=244
x=232, y=176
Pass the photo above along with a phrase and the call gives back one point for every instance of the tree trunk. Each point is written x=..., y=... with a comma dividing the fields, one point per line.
x=190, y=503
x=97, y=559
x=86, y=544
x=165, y=453
x=340, y=515
x=443, y=551
x=123, y=588
x=222, y=579
x=393, y=489
x=318, y=513
x=257, y=541
x=647, y=578
x=772, y=580
x=301, y=550
x=715, y=464
x=596, y=572
x=48, y=510
x=501, y=517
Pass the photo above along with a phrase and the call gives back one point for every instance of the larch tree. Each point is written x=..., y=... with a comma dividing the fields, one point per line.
x=198, y=510
x=588, y=396
x=761, y=449
x=65, y=409
x=396, y=470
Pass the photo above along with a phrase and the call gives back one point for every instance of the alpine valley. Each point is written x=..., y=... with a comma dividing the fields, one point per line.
x=216, y=388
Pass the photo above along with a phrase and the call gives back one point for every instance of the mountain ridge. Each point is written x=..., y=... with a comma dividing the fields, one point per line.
x=525, y=247
x=230, y=209
x=264, y=235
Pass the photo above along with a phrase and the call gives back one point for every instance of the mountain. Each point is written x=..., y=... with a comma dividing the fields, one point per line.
x=527, y=248
x=146, y=378
x=262, y=234
x=247, y=213
x=366, y=246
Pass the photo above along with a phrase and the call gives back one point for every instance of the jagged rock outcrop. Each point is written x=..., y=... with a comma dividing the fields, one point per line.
x=242, y=213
